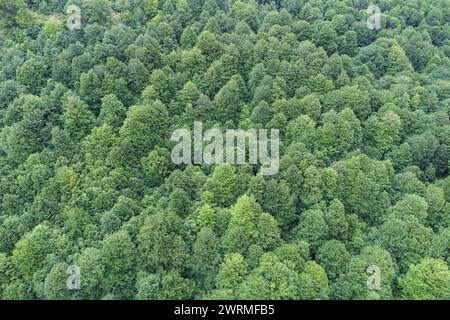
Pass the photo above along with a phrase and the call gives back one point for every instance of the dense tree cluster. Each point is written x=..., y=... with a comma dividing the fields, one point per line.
x=86, y=177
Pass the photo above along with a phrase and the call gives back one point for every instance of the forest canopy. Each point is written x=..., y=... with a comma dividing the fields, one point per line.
x=89, y=99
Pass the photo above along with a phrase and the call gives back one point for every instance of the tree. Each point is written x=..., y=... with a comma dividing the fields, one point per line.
x=33, y=251
x=90, y=89
x=312, y=228
x=279, y=201
x=55, y=286
x=350, y=45
x=435, y=199
x=14, y=14
x=30, y=131
x=325, y=36
x=156, y=166
x=175, y=287
x=148, y=286
x=296, y=253
x=144, y=128
x=243, y=11
x=311, y=191
x=179, y=202
x=411, y=205
x=206, y=216
x=333, y=257
x=262, y=113
x=160, y=243
x=272, y=279
x=310, y=105
x=245, y=213
x=123, y=210
x=6, y=269
x=92, y=272
x=428, y=280
x=365, y=189
x=231, y=273
x=423, y=148
x=118, y=257
x=222, y=184
x=137, y=75
x=78, y=120
x=301, y=130
x=205, y=258
x=99, y=143
x=17, y=290
x=112, y=111
x=209, y=45
x=269, y=232
x=242, y=229
x=417, y=49
x=339, y=133
x=97, y=11
x=407, y=240
x=228, y=100
x=188, y=37
x=336, y=221
x=76, y=222
x=310, y=13
x=313, y=282
x=357, y=101
x=384, y=132
x=32, y=74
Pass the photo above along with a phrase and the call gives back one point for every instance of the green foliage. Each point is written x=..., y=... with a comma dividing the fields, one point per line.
x=206, y=257
x=333, y=256
x=32, y=74
x=87, y=179
x=272, y=279
x=161, y=244
x=231, y=273
x=222, y=184
x=312, y=228
x=112, y=111
x=78, y=119
x=33, y=251
x=144, y=128
x=428, y=280
x=313, y=282
x=117, y=256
